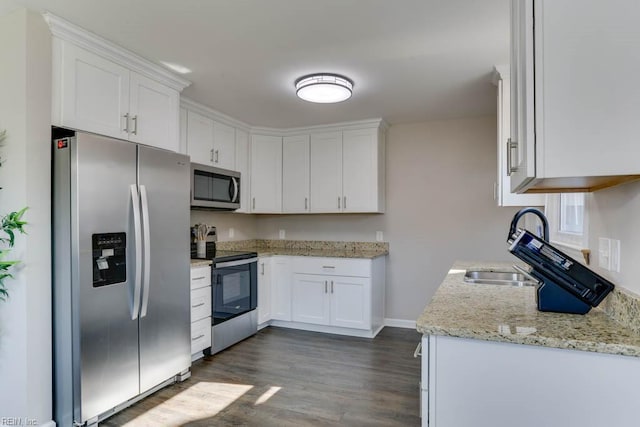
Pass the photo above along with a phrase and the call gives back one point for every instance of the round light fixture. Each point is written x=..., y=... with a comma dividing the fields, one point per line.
x=324, y=88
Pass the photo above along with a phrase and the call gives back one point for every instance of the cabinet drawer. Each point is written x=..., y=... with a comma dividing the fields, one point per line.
x=332, y=266
x=200, y=335
x=200, y=303
x=200, y=277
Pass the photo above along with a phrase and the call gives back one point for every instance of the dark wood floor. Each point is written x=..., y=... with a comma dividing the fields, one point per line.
x=285, y=377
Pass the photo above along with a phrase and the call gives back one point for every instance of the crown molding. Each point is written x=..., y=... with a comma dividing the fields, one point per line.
x=207, y=111
x=500, y=72
x=192, y=105
x=67, y=31
x=331, y=127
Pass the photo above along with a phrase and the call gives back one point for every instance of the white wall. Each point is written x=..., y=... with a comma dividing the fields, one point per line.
x=25, y=319
x=244, y=226
x=615, y=213
x=439, y=208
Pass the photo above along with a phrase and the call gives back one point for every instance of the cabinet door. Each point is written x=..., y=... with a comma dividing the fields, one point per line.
x=295, y=174
x=264, y=290
x=522, y=150
x=242, y=166
x=280, y=289
x=310, y=299
x=360, y=173
x=224, y=146
x=155, y=113
x=350, y=302
x=94, y=93
x=266, y=174
x=200, y=138
x=183, y=130
x=326, y=172
x=503, y=194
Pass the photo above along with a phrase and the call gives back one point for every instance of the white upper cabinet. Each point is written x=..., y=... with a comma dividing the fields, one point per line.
x=104, y=89
x=81, y=78
x=266, y=174
x=295, y=174
x=154, y=110
x=363, y=163
x=224, y=146
x=326, y=172
x=573, y=128
x=242, y=166
x=199, y=138
x=502, y=187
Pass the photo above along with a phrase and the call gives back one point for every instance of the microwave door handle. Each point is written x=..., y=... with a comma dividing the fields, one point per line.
x=235, y=190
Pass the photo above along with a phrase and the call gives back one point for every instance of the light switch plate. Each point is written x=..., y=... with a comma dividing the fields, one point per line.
x=281, y=234
x=604, y=253
x=379, y=236
x=614, y=255
x=232, y=233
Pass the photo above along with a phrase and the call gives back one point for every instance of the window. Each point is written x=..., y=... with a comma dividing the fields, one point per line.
x=568, y=219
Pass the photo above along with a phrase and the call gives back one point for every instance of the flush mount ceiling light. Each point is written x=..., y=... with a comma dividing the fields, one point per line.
x=324, y=88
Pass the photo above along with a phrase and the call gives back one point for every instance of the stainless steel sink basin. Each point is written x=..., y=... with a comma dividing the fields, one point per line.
x=497, y=278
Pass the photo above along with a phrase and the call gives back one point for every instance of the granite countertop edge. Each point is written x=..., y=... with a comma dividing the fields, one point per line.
x=326, y=253
x=457, y=310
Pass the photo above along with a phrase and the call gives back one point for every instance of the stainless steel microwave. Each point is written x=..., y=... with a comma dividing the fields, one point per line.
x=214, y=188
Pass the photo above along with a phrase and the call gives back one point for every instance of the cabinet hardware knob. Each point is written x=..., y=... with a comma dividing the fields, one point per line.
x=344, y=202
x=253, y=203
x=325, y=286
x=135, y=125
x=338, y=202
x=197, y=305
x=332, y=286
x=211, y=157
x=306, y=204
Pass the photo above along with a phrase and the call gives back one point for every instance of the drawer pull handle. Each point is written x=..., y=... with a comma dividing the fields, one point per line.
x=328, y=266
x=198, y=337
x=199, y=278
x=418, y=351
x=197, y=305
x=332, y=286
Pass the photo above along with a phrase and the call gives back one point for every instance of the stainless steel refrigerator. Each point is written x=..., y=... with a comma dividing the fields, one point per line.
x=121, y=274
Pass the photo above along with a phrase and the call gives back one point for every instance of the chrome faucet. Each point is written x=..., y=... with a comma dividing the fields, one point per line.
x=519, y=214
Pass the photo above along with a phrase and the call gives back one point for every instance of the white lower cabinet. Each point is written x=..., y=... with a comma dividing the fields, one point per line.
x=485, y=383
x=336, y=295
x=332, y=300
x=280, y=288
x=200, y=310
x=264, y=291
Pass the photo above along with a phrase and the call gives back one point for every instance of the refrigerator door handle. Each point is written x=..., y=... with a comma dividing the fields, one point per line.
x=147, y=251
x=135, y=203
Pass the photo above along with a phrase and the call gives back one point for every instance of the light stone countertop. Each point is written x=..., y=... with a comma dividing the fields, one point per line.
x=509, y=314
x=327, y=253
x=200, y=262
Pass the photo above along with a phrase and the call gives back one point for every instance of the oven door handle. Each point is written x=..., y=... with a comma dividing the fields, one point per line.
x=234, y=263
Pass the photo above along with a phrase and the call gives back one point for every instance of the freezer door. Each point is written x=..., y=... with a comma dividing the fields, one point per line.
x=165, y=318
x=101, y=205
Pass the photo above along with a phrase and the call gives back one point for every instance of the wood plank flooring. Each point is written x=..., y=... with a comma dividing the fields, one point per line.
x=285, y=377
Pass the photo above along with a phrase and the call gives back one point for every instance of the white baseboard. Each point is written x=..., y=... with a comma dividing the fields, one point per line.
x=400, y=323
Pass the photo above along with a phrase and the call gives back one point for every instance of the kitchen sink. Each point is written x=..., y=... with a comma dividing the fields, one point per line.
x=492, y=277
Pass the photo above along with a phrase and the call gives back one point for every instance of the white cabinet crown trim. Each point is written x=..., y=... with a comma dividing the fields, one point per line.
x=67, y=31
x=209, y=112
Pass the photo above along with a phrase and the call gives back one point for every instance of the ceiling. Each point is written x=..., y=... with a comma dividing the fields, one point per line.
x=410, y=60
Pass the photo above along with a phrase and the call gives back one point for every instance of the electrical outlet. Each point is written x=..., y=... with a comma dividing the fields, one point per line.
x=282, y=234
x=379, y=236
x=232, y=233
x=614, y=255
x=604, y=253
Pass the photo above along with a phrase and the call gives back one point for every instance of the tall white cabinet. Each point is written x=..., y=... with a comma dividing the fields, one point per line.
x=266, y=174
x=101, y=88
x=573, y=128
x=295, y=174
x=326, y=172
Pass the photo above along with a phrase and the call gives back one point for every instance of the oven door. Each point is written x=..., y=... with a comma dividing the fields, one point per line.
x=234, y=288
